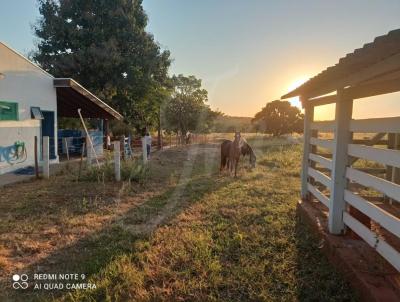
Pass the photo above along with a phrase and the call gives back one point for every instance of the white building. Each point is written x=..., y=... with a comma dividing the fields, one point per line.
x=31, y=100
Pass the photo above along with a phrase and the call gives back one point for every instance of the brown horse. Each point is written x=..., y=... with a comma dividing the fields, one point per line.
x=245, y=149
x=225, y=146
x=248, y=150
x=234, y=153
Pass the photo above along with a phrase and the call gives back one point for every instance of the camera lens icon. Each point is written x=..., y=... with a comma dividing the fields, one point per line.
x=20, y=281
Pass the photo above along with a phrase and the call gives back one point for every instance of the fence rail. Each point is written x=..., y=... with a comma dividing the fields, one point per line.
x=323, y=126
x=375, y=125
x=379, y=244
x=324, y=143
x=319, y=195
x=325, y=162
x=369, y=194
x=389, y=188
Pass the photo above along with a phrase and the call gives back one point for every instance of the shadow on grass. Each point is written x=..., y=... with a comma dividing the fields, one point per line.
x=93, y=253
x=317, y=279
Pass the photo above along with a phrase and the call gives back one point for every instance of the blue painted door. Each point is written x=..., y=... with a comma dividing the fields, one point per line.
x=48, y=130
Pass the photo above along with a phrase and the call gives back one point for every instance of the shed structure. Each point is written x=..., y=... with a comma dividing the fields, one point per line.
x=31, y=103
x=361, y=196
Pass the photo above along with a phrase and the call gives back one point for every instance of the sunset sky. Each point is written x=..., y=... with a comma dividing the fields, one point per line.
x=247, y=52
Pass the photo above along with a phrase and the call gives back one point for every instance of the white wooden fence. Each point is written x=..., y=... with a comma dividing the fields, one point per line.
x=329, y=175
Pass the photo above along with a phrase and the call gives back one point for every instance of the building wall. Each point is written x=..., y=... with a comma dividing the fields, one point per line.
x=29, y=86
x=14, y=131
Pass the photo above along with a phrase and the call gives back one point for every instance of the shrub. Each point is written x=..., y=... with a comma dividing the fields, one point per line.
x=131, y=170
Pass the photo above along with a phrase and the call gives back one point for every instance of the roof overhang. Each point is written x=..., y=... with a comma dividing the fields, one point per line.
x=378, y=61
x=72, y=96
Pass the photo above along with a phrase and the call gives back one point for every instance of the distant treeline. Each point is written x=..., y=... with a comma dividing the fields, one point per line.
x=226, y=123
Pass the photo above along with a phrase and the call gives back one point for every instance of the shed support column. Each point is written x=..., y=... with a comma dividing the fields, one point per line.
x=343, y=136
x=308, y=118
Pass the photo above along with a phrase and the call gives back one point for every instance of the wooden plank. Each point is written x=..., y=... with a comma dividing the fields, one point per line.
x=378, y=243
x=343, y=114
x=327, y=163
x=308, y=118
x=388, y=188
x=320, y=177
x=373, y=89
x=367, y=142
x=388, y=124
x=385, y=219
x=323, y=126
x=324, y=143
x=371, y=142
x=323, y=100
x=382, y=156
x=373, y=170
x=327, y=155
x=319, y=195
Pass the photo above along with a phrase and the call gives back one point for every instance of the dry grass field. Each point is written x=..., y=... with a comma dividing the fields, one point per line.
x=181, y=232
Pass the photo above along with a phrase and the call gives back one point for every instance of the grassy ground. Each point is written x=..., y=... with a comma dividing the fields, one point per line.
x=188, y=234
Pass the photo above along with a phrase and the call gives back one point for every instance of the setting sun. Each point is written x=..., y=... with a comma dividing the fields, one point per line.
x=295, y=101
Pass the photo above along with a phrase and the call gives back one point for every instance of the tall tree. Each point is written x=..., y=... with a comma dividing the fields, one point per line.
x=279, y=118
x=104, y=45
x=187, y=110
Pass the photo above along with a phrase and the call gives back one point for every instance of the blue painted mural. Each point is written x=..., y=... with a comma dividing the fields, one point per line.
x=13, y=154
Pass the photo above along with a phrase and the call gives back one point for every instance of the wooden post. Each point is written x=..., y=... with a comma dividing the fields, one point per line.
x=308, y=118
x=396, y=171
x=46, y=161
x=144, y=150
x=36, y=157
x=313, y=149
x=89, y=155
x=89, y=140
x=117, y=160
x=343, y=136
x=65, y=145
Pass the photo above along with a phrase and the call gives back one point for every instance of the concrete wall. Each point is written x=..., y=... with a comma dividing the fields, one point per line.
x=29, y=86
x=12, y=131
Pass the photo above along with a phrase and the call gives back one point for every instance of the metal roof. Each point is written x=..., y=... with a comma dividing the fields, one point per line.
x=338, y=76
x=72, y=96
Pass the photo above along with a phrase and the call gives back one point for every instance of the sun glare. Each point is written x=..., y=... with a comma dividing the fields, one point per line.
x=296, y=101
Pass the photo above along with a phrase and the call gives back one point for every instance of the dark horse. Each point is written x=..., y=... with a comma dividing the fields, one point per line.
x=245, y=149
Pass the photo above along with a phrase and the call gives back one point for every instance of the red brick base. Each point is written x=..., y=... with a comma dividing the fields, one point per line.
x=370, y=275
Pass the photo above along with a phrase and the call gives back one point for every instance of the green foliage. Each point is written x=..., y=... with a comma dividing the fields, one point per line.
x=104, y=45
x=187, y=110
x=131, y=170
x=279, y=118
x=225, y=124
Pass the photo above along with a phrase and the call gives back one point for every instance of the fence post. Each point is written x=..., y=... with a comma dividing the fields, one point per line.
x=144, y=150
x=117, y=160
x=343, y=136
x=46, y=151
x=308, y=118
x=89, y=154
x=36, y=157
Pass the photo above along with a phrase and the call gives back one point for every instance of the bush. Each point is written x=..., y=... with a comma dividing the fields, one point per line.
x=131, y=170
